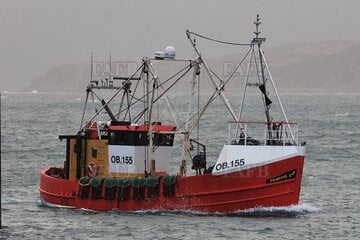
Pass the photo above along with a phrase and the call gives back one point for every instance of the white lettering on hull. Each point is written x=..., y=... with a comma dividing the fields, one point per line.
x=122, y=159
x=235, y=158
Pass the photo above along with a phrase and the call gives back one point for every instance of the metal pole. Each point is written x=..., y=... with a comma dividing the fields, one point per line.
x=109, y=70
x=86, y=100
x=245, y=87
x=0, y=171
x=91, y=68
x=193, y=82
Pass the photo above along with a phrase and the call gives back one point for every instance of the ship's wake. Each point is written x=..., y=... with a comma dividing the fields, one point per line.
x=289, y=211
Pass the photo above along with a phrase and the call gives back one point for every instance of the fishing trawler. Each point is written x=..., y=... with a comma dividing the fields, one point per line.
x=122, y=161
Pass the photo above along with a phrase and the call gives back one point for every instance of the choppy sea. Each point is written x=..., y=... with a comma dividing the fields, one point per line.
x=330, y=196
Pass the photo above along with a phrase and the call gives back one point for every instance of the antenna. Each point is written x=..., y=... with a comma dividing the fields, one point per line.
x=257, y=23
x=109, y=71
x=91, y=68
x=257, y=39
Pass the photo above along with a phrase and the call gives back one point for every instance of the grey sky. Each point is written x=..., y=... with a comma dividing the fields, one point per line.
x=37, y=35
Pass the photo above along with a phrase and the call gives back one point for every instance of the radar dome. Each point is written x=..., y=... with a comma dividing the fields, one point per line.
x=170, y=52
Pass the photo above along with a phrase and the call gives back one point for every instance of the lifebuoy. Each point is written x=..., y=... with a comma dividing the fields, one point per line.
x=92, y=170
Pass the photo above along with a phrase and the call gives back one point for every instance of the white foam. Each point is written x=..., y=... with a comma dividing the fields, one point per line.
x=301, y=208
x=258, y=211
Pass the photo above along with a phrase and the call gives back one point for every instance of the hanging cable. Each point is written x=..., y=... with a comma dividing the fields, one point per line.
x=218, y=41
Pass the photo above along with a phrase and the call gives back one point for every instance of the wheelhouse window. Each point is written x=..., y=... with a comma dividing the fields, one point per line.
x=136, y=138
x=132, y=138
x=161, y=139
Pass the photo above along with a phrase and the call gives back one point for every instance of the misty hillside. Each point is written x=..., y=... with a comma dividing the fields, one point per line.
x=326, y=67
x=62, y=78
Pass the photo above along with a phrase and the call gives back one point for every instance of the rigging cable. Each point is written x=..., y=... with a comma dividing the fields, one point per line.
x=218, y=41
x=137, y=118
x=141, y=99
x=86, y=100
x=112, y=98
x=215, y=93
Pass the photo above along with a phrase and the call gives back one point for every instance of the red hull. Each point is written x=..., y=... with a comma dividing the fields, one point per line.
x=207, y=193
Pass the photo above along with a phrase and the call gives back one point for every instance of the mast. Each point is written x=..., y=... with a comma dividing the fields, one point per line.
x=193, y=82
x=267, y=102
x=110, y=80
x=149, y=100
x=0, y=172
x=187, y=132
x=88, y=90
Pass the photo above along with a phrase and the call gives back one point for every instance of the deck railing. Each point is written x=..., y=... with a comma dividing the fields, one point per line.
x=263, y=133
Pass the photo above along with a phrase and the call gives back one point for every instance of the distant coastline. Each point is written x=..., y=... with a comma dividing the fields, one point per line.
x=299, y=67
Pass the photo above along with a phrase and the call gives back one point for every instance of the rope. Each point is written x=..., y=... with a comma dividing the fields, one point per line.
x=218, y=41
